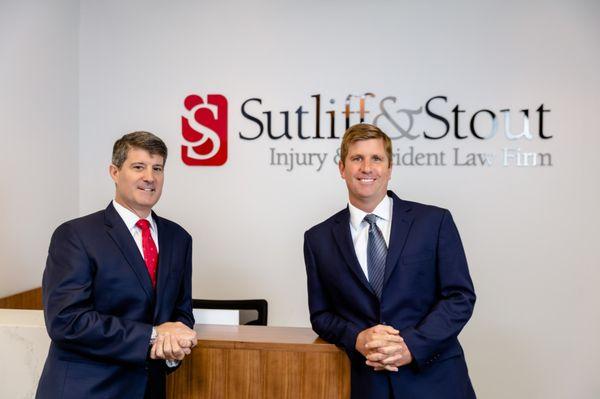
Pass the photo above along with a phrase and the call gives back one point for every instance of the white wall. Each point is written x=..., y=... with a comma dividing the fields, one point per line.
x=530, y=233
x=38, y=129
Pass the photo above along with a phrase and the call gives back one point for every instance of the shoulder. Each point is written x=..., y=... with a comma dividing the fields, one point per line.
x=419, y=208
x=326, y=225
x=82, y=224
x=76, y=232
x=424, y=214
x=174, y=230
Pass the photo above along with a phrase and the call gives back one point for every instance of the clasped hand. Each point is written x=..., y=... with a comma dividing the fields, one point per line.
x=383, y=347
x=174, y=341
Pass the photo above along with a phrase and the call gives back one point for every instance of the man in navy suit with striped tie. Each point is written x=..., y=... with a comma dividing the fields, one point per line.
x=388, y=282
x=117, y=288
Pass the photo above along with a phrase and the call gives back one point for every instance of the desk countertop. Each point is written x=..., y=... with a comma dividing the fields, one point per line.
x=23, y=318
x=261, y=337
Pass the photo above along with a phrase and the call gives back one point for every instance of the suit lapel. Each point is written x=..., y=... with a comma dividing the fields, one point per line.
x=401, y=223
x=164, y=261
x=122, y=237
x=341, y=233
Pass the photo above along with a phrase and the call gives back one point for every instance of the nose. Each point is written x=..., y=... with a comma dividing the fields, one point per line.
x=149, y=174
x=365, y=166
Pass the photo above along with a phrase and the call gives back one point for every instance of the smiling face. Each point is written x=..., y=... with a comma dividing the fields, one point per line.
x=367, y=171
x=138, y=181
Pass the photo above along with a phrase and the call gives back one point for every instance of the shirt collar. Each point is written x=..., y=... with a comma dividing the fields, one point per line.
x=131, y=218
x=382, y=210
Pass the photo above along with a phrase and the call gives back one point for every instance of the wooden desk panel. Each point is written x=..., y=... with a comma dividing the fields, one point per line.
x=31, y=299
x=261, y=362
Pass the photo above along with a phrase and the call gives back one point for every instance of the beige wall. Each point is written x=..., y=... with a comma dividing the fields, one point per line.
x=38, y=130
x=530, y=233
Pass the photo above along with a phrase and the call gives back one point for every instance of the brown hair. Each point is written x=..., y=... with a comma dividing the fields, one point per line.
x=365, y=131
x=144, y=140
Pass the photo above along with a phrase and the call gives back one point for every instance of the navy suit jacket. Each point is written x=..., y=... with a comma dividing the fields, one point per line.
x=100, y=306
x=427, y=294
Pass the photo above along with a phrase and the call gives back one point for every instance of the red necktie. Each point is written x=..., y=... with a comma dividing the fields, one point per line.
x=149, y=248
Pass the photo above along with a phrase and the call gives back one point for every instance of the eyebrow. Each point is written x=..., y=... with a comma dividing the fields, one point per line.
x=162, y=165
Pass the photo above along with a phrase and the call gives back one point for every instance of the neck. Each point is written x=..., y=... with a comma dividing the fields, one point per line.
x=365, y=206
x=141, y=213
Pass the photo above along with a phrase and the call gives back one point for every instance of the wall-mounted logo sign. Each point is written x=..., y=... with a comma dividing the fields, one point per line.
x=313, y=121
x=204, y=130
x=429, y=134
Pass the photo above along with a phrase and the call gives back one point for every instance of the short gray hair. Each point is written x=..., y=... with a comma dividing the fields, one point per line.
x=144, y=140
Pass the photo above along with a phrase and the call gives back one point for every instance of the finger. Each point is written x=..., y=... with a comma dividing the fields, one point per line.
x=376, y=343
x=176, y=349
x=390, y=349
x=187, y=351
x=392, y=360
x=153, y=351
x=379, y=343
x=183, y=333
x=380, y=366
x=375, y=356
x=374, y=364
x=188, y=340
x=386, y=329
x=377, y=340
x=159, y=345
x=387, y=337
x=379, y=356
x=167, y=348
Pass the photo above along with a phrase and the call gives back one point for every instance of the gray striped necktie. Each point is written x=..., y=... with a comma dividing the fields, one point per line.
x=376, y=254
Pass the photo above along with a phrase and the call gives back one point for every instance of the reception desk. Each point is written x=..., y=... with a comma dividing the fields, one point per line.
x=24, y=345
x=229, y=362
x=261, y=362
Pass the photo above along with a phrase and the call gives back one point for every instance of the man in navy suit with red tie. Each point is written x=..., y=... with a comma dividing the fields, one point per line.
x=388, y=282
x=117, y=288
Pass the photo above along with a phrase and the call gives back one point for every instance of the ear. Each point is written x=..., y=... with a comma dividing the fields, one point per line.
x=113, y=171
x=342, y=169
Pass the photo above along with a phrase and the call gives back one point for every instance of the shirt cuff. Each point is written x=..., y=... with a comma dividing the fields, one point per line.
x=153, y=336
x=172, y=363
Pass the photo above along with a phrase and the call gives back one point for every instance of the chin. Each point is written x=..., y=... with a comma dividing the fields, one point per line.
x=146, y=204
x=367, y=194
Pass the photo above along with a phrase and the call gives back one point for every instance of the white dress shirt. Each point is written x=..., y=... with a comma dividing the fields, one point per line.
x=130, y=220
x=360, y=229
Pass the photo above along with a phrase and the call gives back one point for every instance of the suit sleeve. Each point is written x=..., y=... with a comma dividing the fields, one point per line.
x=183, y=305
x=456, y=299
x=71, y=320
x=325, y=322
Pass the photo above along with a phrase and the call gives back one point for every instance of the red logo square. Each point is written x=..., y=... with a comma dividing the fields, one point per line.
x=204, y=129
